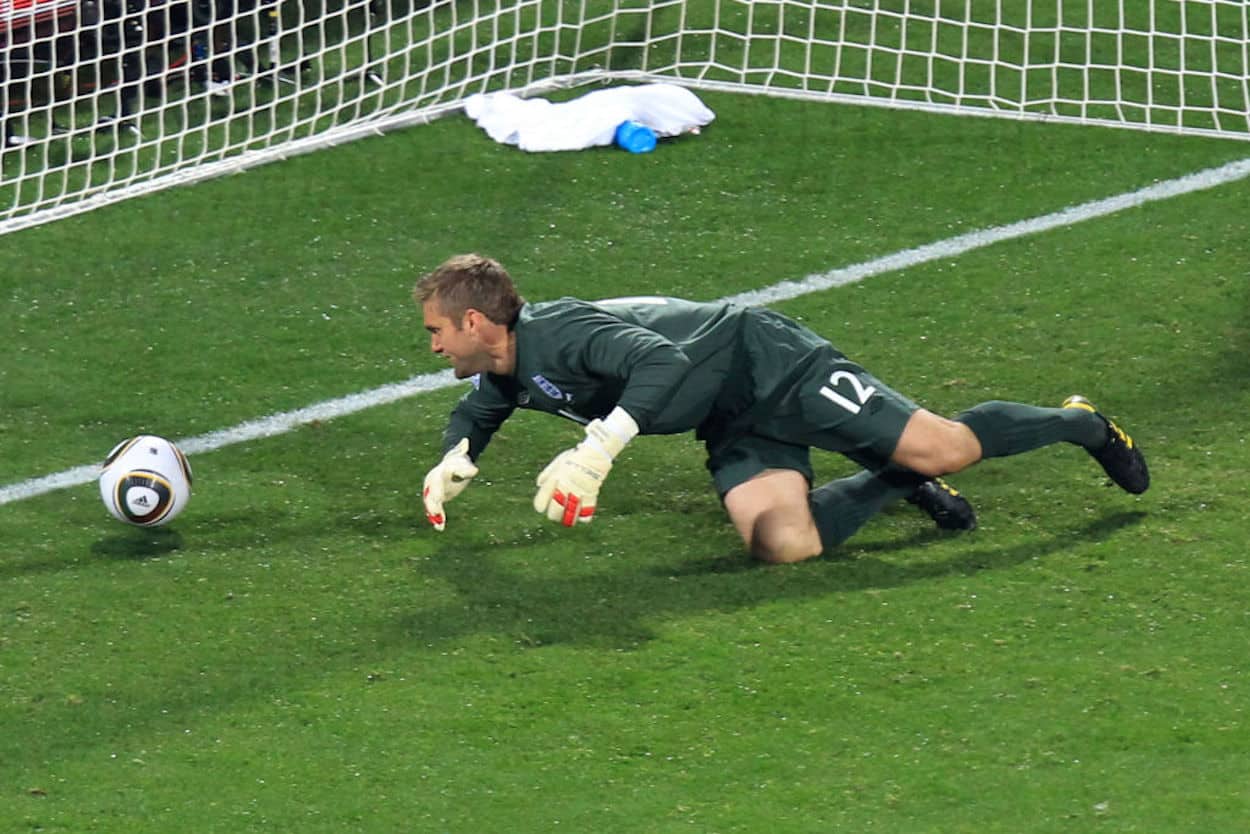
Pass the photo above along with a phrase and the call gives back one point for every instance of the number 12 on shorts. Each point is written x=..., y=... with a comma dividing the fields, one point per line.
x=859, y=390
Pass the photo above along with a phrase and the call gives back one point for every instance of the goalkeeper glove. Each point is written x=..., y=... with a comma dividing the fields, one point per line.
x=568, y=488
x=447, y=480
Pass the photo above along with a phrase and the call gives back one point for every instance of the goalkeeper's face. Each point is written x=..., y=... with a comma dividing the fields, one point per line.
x=461, y=343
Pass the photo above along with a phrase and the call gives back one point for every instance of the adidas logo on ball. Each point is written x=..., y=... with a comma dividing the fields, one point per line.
x=145, y=481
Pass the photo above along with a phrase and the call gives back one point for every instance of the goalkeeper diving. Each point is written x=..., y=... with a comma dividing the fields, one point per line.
x=757, y=388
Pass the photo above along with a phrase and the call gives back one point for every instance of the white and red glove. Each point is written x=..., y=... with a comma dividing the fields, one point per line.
x=447, y=480
x=568, y=488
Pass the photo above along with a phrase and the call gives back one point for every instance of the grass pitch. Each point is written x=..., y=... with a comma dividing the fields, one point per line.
x=300, y=652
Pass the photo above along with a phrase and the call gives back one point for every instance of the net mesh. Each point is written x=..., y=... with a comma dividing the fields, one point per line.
x=106, y=99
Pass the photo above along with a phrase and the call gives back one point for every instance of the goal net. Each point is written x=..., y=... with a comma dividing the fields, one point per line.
x=106, y=99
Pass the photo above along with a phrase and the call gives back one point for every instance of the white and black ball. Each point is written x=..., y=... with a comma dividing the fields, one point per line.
x=145, y=481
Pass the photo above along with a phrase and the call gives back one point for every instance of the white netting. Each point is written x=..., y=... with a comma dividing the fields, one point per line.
x=105, y=99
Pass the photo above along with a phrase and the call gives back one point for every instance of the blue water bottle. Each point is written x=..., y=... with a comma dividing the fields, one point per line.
x=635, y=137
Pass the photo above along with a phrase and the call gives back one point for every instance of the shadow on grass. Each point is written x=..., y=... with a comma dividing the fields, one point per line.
x=123, y=542
x=614, y=608
x=138, y=543
x=1231, y=368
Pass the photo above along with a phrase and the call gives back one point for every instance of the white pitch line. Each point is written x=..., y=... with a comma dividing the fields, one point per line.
x=330, y=409
x=960, y=244
x=251, y=430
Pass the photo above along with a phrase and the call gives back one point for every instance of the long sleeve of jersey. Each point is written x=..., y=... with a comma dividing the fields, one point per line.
x=665, y=361
x=649, y=367
x=478, y=415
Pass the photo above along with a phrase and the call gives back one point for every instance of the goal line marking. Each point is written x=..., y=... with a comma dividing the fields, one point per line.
x=283, y=422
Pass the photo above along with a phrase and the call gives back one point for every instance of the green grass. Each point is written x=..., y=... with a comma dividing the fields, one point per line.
x=300, y=652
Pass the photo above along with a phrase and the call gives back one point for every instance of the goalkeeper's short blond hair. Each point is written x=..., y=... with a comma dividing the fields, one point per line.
x=470, y=281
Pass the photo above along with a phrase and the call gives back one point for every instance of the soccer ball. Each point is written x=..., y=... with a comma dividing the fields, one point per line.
x=145, y=481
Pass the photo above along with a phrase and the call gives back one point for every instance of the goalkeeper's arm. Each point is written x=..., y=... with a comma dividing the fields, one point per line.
x=568, y=488
x=472, y=424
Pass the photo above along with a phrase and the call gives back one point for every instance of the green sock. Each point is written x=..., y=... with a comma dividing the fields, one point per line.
x=841, y=507
x=1011, y=428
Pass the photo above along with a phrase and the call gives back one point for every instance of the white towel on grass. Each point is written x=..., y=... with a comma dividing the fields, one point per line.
x=535, y=124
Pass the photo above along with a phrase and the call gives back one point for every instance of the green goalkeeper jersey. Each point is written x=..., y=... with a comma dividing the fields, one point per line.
x=672, y=364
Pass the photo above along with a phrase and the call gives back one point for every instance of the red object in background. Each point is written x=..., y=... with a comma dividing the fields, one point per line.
x=19, y=14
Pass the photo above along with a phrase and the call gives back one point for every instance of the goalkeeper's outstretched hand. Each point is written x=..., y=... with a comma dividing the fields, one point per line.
x=447, y=480
x=568, y=488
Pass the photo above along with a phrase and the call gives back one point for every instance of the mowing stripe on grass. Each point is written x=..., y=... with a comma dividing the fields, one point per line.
x=286, y=421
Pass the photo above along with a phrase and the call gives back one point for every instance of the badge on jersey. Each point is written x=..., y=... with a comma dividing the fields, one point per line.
x=548, y=387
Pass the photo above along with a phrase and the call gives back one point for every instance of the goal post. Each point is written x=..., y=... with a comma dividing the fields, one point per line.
x=107, y=99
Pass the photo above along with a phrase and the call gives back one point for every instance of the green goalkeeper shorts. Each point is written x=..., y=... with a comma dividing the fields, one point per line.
x=746, y=456
x=821, y=399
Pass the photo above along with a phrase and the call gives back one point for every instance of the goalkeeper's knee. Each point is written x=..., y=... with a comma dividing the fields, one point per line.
x=778, y=538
